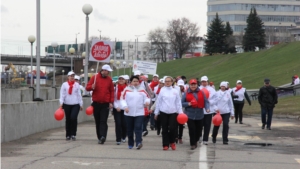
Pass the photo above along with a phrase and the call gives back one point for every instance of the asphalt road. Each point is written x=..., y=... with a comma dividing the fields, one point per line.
x=49, y=149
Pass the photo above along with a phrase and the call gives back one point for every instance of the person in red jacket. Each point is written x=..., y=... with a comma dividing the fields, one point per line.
x=103, y=98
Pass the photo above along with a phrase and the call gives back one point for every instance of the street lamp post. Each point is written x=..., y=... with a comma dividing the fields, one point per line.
x=76, y=44
x=87, y=9
x=112, y=65
x=130, y=64
x=118, y=63
x=72, y=51
x=137, y=44
x=100, y=33
x=62, y=77
x=54, y=45
x=31, y=39
x=5, y=78
x=124, y=64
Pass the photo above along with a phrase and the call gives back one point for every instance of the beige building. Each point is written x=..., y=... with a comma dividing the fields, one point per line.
x=278, y=15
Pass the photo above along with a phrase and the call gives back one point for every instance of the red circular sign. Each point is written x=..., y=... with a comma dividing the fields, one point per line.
x=100, y=51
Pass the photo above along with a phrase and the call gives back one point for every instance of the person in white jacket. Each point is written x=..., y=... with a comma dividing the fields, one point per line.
x=225, y=107
x=134, y=99
x=71, y=101
x=118, y=112
x=168, y=105
x=207, y=115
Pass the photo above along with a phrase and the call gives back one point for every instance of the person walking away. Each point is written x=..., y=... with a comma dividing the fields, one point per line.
x=118, y=112
x=103, y=98
x=225, y=107
x=194, y=101
x=296, y=80
x=134, y=99
x=168, y=105
x=207, y=115
x=267, y=98
x=71, y=101
x=239, y=95
x=154, y=84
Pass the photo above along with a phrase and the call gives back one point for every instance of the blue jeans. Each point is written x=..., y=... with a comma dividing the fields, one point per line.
x=266, y=111
x=145, y=123
x=134, y=125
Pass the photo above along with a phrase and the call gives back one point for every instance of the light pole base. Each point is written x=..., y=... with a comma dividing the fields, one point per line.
x=38, y=100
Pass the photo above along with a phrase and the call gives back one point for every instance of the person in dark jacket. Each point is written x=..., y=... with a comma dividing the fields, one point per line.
x=239, y=95
x=267, y=98
x=103, y=98
x=194, y=101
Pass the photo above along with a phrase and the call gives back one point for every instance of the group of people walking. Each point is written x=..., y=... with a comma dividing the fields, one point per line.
x=135, y=102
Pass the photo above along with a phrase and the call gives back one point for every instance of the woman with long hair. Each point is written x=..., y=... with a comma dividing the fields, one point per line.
x=168, y=105
x=134, y=100
x=118, y=112
x=71, y=101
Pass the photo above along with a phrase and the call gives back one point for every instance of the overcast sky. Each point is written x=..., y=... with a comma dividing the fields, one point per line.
x=62, y=19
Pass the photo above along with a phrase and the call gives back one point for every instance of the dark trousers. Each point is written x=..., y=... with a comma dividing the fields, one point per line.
x=225, y=118
x=101, y=111
x=134, y=126
x=266, y=111
x=71, y=113
x=206, y=125
x=179, y=131
x=145, y=123
x=169, y=125
x=152, y=121
x=195, y=127
x=120, y=125
x=158, y=125
x=238, y=108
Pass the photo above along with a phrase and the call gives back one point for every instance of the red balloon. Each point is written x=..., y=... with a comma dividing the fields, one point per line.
x=89, y=110
x=182, y=118
x=217, y=119
x=59, y=114
x=205, y=91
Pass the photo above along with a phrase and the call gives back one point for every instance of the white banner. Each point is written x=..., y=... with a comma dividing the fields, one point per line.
x=144, y=67
x=100, y=51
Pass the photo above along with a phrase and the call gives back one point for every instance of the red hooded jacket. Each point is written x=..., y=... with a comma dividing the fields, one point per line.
x=104, y=89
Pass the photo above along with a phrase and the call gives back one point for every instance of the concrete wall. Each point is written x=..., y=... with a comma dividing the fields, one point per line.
x=22, y=119
x=25, y=94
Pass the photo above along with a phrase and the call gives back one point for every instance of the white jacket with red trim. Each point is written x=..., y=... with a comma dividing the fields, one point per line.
x=134, y=98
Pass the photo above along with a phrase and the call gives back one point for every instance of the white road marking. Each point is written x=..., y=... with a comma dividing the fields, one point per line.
x=298, y=160
x=86, y=163
x=202, y=157
x=241, y=137
x=280, y=124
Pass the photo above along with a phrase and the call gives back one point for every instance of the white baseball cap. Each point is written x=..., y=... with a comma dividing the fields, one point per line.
x=71, y=73
x=239, y=81
x=126, y=77
x=106, y=67
x=77, y=77
x=155, y=75
x=137, y=73
x=224, y=84
x=204, y=78
x=122, y=76
x=161, y=80
x=180, y=83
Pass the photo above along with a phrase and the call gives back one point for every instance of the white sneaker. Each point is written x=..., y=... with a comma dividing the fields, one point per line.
x=123, y=140
x=205, y=142
x=200, y=140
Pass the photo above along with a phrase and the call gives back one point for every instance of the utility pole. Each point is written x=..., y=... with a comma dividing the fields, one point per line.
x=76, y=50
x=100, y=33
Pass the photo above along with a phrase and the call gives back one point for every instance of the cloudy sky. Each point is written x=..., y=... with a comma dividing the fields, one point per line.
x=62, y=19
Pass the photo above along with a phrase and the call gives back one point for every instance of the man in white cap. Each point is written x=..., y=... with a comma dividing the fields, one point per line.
x=103, y=98
x=207, y=115
x=154, y=83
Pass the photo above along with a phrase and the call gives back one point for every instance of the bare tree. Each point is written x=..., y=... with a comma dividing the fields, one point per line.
x=158, y=40
x=182, y=35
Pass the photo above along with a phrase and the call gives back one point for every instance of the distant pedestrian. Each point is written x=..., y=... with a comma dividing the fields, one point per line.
x=225, y=107
x=134, y=99
x=239, y=94
x=296, y=80
x=183, y=88
x=103, y=98
x=154, y=84
x=168, y=105
x=118, y=112
x=267, y=98
x=71, y=101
